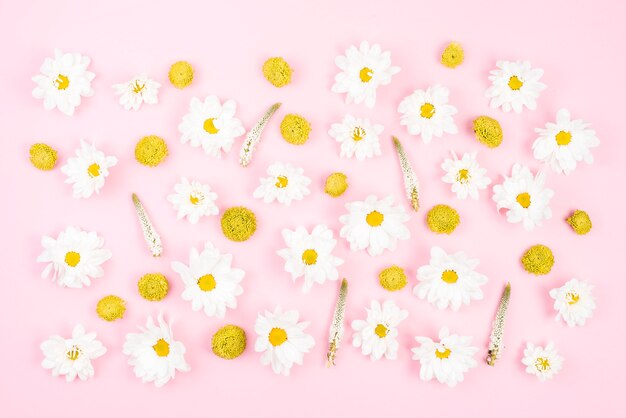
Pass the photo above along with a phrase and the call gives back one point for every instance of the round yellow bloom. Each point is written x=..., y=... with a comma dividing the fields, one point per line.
x=229, y=342
x=336, y=184
x=453, y=55
x=277, y=71
x=151, y=150
x=238, y=223
x=43, y=156
x=488, y=131
x=538, y=260
x=111, y=308
x=295, y=129
x=392, y=278
x=153, y=286
x=443, y=219
x=181, y=74
x=580, y=222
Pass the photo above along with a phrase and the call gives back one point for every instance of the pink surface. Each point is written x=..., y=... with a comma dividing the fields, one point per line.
x=227, y=42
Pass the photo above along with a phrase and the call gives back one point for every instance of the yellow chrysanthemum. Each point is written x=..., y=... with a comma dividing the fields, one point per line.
x=111, y=308
x=538, y=260
x=277, y=71
x=238, y=223
x=488, y=131
x=392, y=278
x=229, y=342
x=43, y=156
x=153, y=286
x=443, y=219
x=580, y=222
x=181, y=74
x=336, y=184
x=453, y=55
x=295, y=129
x=151, y=150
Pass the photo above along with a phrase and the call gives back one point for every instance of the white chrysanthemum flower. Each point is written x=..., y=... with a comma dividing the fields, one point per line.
x=193, y=200
x=574, y=302
x=310, y=255
x=74, y=257
x=210, y=281
x=427, y=113
x=542, y=362
x=562, y=144
x=515, y=85
x=285, y=184
x=450, y=280
x=71, y=357
x=211, y=125
x=447, y=360
x=136, y=91
x=362, y=71
x=466, y=176
x=377, y=334
x=358, y=137
x=374, y=225
x=87, y=171
x=524, y=196
x=63, y=80
x=282, y=340
x=154, y=354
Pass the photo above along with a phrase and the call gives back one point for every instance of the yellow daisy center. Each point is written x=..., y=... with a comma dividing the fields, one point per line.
x=563, y=138
x=281, y=182
x=442, y=354
x=449, y=276
x=572, y=298
x=206, y=283
x=195, y=199
x=515, y=83
x=366, y=74
x=463, y=175
x=542, y=364
x=381, y=331
x=374, y=218
x=73, y=353
x=93, y=170
x=72, y=258
x=523, y=199
x=427, y=110
x=309, y=257
x=62, y=82
x=209, y=126
x=358, y=133
x=162, y=348
x=277, y=336
x=137, y=88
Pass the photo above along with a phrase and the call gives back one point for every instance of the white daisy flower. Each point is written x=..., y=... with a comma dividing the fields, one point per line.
x=358, y=137
x=282, y=340
x=211, y=125
x=542, y=362
x=525, y=197
x=71, y=357
x=362, y=71
x=515, y=85
x=377, y=334
x=154, y=354
x=310, y=255
x=574, y=302
x=210, y=281
x=285, y=184
x=466, y=176
x=447, y=360
x=136, y=91
x=449, y=280
x=374, y=225
x=562, y=144
x=86, y=172
x=74, y=257
x=193, y=200
x=62, y=82
x=427, y=113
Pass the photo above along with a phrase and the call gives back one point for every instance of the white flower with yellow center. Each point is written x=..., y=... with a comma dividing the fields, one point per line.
x=446, y=360
x=87, y=171
x=562, y=144
x=71, y=357
x=310, y=255
x=377, y=334
x=282, y=340
x=64, y=79
x=574, y=302
x=211, y=125
x=515, y=85
x=211, y=283
x=358, y=137
x=449, y=280
x=284, y=184
x=542, y=362
x=193, y=200
x=154, y=354
x=362, y=71
x=525, y=197
x=136, y=91
x=74, y=257
x=375, y=225
x=465, y=175
x=427, y=113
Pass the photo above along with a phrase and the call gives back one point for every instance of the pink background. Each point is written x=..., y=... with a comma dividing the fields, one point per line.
x=576, y=42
